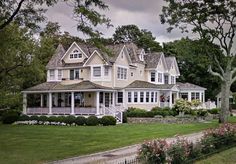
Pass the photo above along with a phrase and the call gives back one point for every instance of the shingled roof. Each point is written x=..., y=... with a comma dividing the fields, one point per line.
x=145, y=84
x=184, y=86
x=55, y=61
x=57, y=86
x=169, y=61
x=152, y=59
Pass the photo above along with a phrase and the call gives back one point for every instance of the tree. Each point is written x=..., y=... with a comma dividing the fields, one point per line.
x=131, y=33
x=193, y=60
x=213, y=20
x=28, y=13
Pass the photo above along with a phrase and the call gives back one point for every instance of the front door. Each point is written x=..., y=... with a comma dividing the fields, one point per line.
x=107, y=97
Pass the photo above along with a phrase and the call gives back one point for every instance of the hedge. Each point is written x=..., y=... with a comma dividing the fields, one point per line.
x=108, y=120
x=9, y=117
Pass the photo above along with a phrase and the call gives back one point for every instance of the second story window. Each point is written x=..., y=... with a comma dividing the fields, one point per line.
x=160, y=77
x=51, y=74
x=75, y=54
x=59, y=74
x=172, y=80
x=122, y=73
x=106, y=71
x=153, y=76
x=97, y=71
x=166, y=78
x=74, y=74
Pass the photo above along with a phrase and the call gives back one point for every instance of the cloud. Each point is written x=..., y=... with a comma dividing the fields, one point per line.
x=143, y=13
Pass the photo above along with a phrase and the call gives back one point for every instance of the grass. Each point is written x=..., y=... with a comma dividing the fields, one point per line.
x=227, y=156
x=38, y=144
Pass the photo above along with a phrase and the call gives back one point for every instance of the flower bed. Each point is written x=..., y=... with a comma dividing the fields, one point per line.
x=183, y=151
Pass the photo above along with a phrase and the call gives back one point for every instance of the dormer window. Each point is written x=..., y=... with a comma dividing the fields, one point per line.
x=51, y=74
x=141, y=57
x=75, y=55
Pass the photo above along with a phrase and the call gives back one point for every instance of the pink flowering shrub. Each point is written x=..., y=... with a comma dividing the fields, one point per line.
x=216, y=138
x=183, y=151
x=153, y=151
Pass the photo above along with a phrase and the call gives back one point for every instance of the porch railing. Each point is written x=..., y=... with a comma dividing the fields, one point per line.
x=85, y=110
x=35, y=110
x=164, y=104
x=61, y=110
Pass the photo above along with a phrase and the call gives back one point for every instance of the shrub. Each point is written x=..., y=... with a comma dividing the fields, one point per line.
x=92, y=121
x=10, y=117
x=201, y=112
x=80, y=120
x=43, y=118
x=153, y=151
x=52, y=119
x=60, y=119
x=214, y=111
x=108, y=120
x=70, y=120
x=24, y=118
x=35, y=118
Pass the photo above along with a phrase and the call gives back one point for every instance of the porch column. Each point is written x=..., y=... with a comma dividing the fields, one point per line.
x=177, y=95
x=97, y=102
x=72, y=103
x=113, y=98
x=170, y=99
x=41, y=100
x=50, y=102
x=189, y=96
x=24, y=103
x=203, y=96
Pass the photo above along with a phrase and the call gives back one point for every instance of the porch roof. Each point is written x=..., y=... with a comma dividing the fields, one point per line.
x=189, y=86
x=58, y=86
x=145, y=84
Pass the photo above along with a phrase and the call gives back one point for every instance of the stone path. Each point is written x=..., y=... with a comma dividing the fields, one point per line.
x=118, y=155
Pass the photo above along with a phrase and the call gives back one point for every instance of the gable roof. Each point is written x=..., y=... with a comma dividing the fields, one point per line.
x=152, y=59
x=170, y=61
x=145, y=84
x=189, y=86
x=55, y=60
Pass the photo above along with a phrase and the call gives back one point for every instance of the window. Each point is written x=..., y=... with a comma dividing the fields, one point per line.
x=75, y=54
x=74, y=74
x=153, y=76
x=121, y=73
x=101, y=97
x=152, y=96
x=195, y=96
x=51, y=74
x=106, y=71
x=59, y=74
x=166, y=78
x=97, y=71
x=120, y=97
x=156, y=97
x=147, y=96
x=135, y=96
x=160, y=77
x=141, y=96
x=129, y=97
x=172, y=80
x=132, y=74
x=184, y=96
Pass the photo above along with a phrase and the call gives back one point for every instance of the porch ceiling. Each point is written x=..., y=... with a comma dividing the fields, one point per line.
x=57, y=86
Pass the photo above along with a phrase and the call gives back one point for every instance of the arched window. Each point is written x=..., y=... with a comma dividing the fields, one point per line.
x=75, y=54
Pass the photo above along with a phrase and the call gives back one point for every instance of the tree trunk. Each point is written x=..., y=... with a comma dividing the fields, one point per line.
x=225, y=93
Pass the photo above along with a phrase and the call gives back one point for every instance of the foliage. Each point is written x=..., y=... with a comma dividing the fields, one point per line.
x=214, y=21
x=43, y=118
x=34, y=118
x=214, y=111
x=108, y=120
x=143, y=38
x=70, y=120
x=9, y=117
x=153, y=151
x=201, y=112
x=92, y=121
x=23, y=117
x=182, y=105
x=183, y=151
x=80, y=120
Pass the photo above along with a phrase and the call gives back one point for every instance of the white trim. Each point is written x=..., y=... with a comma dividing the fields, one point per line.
x=127, y=55
x=59, y=91
x=127, y=72
x=74, y=43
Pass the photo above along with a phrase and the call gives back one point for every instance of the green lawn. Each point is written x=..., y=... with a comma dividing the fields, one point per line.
x=226, y=157
x=37, y=144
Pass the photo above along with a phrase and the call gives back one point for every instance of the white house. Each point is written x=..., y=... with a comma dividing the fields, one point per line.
x=84, y=80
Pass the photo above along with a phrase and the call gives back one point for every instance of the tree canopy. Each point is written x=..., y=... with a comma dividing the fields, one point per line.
x=214, y=21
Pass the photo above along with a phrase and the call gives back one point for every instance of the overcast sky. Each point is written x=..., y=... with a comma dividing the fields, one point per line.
x=143, y=13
